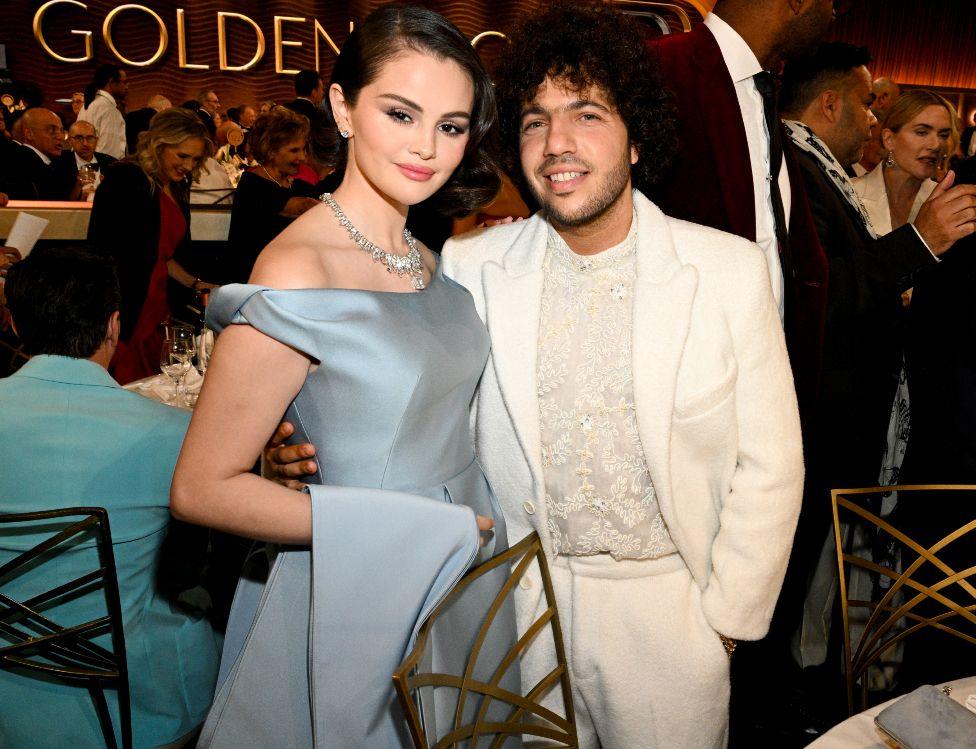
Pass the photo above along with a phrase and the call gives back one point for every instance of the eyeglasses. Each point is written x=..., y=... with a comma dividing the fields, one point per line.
x=84, y=138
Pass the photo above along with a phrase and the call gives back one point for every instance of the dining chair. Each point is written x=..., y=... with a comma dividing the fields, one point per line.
x=34, y=635
x=525, y=713
x=916, y=585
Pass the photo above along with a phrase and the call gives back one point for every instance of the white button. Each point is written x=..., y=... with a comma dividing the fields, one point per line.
x=528, y=507
x=525, y=583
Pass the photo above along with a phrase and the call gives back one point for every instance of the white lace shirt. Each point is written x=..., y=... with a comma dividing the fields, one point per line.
x=599, y=494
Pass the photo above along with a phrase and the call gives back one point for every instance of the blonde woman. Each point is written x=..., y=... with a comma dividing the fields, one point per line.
x=917, y=134
x=141, y=218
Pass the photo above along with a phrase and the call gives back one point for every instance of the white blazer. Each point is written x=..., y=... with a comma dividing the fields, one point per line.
x=874, y=195
x=716, y=409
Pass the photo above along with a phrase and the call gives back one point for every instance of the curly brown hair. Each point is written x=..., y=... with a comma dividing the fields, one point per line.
x=275, y=129
x=586, y=45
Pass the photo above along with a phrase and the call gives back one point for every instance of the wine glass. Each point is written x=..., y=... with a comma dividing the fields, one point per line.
x=176, y=358
x=87, y=174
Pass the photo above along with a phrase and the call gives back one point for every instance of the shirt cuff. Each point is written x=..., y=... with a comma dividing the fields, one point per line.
x=922, y=239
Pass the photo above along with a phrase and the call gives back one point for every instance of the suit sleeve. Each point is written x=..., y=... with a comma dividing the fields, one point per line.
x=760, y=511
x=882, y=266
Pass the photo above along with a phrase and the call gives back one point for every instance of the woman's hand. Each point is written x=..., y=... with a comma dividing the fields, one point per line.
x=484, y=524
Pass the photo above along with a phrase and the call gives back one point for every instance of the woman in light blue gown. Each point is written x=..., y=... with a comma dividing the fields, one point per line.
x=350, y=330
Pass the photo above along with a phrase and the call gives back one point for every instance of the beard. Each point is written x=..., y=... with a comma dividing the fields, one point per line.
x=852, y=149
x=604, y=196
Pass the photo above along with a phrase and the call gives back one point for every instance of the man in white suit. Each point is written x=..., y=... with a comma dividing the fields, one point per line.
x=637, y=410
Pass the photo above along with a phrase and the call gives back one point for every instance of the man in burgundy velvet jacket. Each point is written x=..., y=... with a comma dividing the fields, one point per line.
x=712, y=180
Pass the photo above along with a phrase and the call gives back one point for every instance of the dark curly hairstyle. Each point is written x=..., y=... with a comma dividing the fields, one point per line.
x=385, y=34
x=61, y=299
x=585, y=45
x=804, y=79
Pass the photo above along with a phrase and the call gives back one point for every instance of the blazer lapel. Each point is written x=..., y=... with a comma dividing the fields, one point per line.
x=875, y=200
x=663, y=297
x=513, y=296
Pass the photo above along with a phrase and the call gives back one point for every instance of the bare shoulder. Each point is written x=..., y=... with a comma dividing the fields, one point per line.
x=298, y=257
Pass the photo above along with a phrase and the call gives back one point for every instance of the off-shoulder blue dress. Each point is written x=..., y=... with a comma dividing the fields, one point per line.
x=309, y=654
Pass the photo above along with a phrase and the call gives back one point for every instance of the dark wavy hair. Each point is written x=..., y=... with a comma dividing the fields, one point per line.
x=383, y=36
x=61, y=299
x=585, y=45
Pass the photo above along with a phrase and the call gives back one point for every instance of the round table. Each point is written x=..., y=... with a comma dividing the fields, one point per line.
x=858, y=732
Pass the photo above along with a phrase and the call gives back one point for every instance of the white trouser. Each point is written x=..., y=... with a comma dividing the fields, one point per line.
x=646, y=668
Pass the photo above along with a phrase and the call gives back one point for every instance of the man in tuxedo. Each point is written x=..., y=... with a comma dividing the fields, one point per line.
x=209, y=106
x=83, y=140
x=733, y=169
x=826, y=105
x=309, y=92
x=29, y=173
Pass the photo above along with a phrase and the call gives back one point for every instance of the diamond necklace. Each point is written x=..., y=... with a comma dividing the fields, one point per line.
x=410, y=264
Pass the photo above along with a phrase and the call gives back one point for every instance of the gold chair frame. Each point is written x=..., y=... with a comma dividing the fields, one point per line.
x=651, y=9
x=878, y=633
x=407, y=679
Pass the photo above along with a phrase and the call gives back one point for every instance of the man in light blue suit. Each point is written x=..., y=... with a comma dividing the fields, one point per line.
x=71, y=436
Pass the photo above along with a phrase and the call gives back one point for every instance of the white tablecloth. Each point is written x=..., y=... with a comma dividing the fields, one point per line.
x=160, y=387
x=859, y=732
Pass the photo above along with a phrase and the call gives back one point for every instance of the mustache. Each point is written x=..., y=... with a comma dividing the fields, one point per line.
x=562, y=161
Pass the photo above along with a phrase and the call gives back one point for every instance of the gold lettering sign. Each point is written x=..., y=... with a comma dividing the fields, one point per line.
x=321, y=32
x=39, y=34
x=222, y=41
x=486, y=35
x=163, y=35
x=280, y=44
x=181, y=43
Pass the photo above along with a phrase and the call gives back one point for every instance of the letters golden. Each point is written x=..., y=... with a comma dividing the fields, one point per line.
x=222, y=41
x=163, y=35
x=181, y=43
x=157, y=26
x=39, y=34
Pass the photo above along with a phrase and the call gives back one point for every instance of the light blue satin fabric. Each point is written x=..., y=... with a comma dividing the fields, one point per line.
x=309, y=655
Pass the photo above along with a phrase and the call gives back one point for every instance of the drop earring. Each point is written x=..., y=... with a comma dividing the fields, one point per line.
x=889, y=160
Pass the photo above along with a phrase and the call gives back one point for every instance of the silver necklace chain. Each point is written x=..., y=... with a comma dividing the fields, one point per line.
x=268, y=175
x=411, y=264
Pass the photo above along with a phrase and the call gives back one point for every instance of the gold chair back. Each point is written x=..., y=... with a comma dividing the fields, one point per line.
x=666, y=18
x=895, y=615
x=526, y=715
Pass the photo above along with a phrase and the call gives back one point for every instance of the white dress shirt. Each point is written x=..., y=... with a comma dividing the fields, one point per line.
x=743, y=65
x=104, y=115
